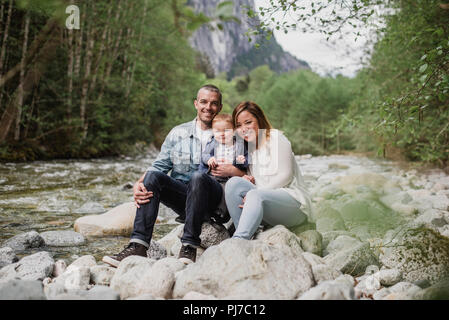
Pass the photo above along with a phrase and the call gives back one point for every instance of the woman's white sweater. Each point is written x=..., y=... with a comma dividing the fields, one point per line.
x=273, y=166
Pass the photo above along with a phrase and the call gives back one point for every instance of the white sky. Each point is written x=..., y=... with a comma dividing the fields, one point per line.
x=324, y=57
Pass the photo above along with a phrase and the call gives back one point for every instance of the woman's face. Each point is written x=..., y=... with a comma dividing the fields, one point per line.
x=247, y=126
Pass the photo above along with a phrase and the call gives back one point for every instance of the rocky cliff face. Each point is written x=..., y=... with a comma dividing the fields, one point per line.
x=229, y=50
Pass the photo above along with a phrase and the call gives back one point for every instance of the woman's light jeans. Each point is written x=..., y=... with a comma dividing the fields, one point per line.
x=272, y=206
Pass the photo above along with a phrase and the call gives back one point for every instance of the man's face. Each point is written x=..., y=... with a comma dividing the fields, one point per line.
x=207, y=105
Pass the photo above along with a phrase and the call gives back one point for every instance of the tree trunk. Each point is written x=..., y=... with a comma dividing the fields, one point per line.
x=22, y=76
x=70, y=75
x=33, y=50
x=132, y=66
x=110, y=62
x=79, y=44
x=4, y=42
x=101, y=51
x=32, y=78
x=85, y=86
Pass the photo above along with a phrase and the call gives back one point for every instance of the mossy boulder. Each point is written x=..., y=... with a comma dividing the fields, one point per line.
x=419, y=252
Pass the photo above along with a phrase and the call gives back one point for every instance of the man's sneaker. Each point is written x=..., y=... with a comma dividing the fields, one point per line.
x=187, y=254
x=132, y=249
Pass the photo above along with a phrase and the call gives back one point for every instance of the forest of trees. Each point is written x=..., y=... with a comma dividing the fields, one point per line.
x=124, y=76
x=128, y=75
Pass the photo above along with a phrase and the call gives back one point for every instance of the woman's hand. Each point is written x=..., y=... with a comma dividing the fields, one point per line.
x=141, y=195
x=249, y=178
x=226, y=170
x=243, y=202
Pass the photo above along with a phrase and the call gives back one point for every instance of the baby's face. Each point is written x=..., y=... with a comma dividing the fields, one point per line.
x=223, y=132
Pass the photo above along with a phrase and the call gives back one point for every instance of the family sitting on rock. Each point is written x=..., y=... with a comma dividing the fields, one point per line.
x=219, y=164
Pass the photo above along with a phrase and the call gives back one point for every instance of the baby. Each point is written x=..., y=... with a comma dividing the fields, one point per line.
x=223, y=148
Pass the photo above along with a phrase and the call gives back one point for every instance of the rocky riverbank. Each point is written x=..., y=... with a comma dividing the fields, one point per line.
x=379, y=232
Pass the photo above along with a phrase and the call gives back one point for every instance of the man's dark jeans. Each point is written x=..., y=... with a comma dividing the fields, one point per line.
x=194, y=200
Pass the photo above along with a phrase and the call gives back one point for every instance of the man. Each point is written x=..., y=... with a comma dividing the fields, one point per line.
x=191, y=194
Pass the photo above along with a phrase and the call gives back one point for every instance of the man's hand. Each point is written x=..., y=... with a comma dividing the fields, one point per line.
x=249, y=178
x=243, y=202
x=226, y=170
x=141, y=195
x=212, y=163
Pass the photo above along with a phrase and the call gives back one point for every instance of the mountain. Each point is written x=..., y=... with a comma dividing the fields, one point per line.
x=228, y=50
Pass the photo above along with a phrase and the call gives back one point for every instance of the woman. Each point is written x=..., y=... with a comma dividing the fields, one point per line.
x=273, y=191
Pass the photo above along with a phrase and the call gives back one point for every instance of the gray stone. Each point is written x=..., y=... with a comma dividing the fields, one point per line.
x=171, y=238
x=280, y=236
x=64, y=238
x=437, y=291
x=332, y=235
x=350, y=255
x=37, y=266
x=338, y=289
x=135, y=277
x=432, y=218
x=7, y=256
x=419, y=253
x=242, y=269
x=212, y=235
x=76, y=278
x=156, y=251
x=127, y=279
x=68, y=296
x=312, y=241
x=321, y=271
x=54, y=289
x=86, y=261
x=22, y=290
x=101, y=275
x=192, y=295
x=403, y=286
x=389, y=277
x=367, y=287
x=59, y=268
x=102, y=293
x=380, y=294
x=24, y=241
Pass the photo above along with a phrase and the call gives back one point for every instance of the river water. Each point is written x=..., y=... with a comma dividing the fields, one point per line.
x=51, y=195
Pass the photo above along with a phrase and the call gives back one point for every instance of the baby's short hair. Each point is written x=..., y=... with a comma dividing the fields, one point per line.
x=223, y=117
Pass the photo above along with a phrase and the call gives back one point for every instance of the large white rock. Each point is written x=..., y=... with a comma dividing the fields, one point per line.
x=22, y=290
x=350, y=255
x=171, y=238
x=243, y=269
x=33, y=267
x=137, y=276
x=419, y=253
x=338, y=289
x=321, y=271
x=127, y=277
x=101, y=274
x=280, y=236
x=78, y=278
x=63, y=238
x=118, y=221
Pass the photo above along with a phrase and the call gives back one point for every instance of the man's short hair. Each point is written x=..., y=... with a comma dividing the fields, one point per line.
x=212, y=88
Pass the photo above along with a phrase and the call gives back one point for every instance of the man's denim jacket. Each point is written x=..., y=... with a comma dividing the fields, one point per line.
x=180, y=152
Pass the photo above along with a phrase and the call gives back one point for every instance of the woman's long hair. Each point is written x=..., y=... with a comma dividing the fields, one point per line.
x=257, y=112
